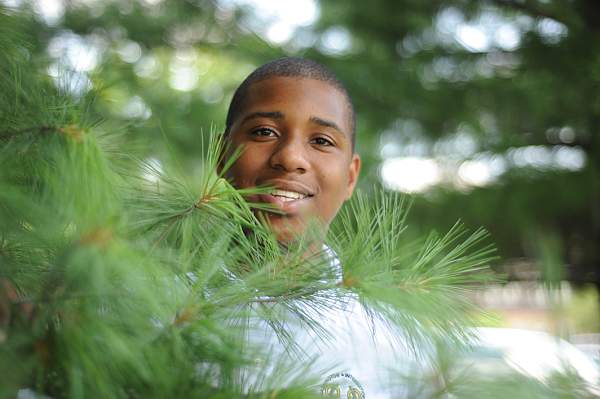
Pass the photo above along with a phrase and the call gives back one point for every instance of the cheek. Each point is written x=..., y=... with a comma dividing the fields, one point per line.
x=242, y=172
x=336, y=183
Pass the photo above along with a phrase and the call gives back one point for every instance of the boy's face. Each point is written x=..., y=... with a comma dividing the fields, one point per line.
x=296, y=137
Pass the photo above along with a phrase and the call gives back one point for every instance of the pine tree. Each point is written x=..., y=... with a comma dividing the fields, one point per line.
x=119, y=286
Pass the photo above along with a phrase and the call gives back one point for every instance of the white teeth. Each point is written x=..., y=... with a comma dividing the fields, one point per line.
x=287, y=195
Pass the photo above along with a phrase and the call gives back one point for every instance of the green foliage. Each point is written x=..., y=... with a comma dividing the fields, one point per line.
x=413, y=280
x=142, y=283
x=584, y=310
x=399, y=65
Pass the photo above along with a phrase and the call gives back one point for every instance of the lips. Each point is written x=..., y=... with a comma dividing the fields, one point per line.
x=288, y=196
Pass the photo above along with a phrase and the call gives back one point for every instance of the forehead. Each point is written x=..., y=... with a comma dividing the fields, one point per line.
x=303, y=97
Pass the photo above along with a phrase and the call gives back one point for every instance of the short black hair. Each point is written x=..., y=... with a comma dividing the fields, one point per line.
x=293, y=67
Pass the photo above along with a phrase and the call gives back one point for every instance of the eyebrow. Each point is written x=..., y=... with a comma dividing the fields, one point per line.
x=260, y=114
x=326, y=123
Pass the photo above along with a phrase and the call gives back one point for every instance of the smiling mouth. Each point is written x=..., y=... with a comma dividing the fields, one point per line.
x=287, y=196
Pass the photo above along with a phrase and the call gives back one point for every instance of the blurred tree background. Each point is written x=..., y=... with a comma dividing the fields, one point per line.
x=484, y=111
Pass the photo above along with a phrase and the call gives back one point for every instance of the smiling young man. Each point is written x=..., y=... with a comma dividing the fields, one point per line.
x=295, y=124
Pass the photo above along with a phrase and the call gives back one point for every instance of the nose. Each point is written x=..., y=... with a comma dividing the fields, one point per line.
x=290, y=156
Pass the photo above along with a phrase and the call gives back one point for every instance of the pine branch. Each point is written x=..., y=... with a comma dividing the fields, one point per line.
x=72, y=131
x=173, y=220
x=7, y=135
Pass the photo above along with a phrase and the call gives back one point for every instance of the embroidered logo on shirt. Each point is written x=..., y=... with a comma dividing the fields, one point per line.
x=342, y=385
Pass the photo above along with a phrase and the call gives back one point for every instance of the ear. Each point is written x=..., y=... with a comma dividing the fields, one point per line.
x=353, y=172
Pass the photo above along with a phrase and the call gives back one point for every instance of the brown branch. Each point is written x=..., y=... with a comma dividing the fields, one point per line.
x=532, y=10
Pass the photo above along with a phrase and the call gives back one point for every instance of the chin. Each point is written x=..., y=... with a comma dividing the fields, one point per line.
x=284, y=229
x=291, y=230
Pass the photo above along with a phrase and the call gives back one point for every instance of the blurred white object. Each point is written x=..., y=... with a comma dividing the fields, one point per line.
x=588, y=344
x=532, y=353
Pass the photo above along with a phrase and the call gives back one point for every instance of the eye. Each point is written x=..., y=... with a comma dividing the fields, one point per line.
x=322, y=141
x=263, y=132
